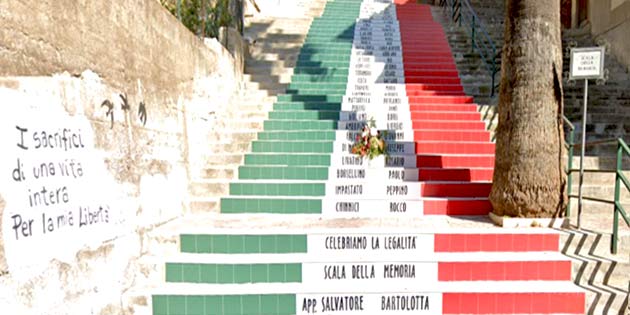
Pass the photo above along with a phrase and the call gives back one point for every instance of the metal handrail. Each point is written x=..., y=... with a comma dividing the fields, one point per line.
x=622, y=148
x=462, y=13
x=570, y=145
x=620, y=179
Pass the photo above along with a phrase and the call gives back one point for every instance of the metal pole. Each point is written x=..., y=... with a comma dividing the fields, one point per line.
x=582, y=154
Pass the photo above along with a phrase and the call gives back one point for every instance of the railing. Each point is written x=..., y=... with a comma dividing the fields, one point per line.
x=462, y=13
x=620, y=179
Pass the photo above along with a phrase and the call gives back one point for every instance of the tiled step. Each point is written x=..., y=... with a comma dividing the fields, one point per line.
x=456, y=174
x=453, y=298
x=304, y=105
x=440, y=99
x=292, y=146
x=419, y=124
x=442, y=135
x=442, y=147
x=283, y=172
x=457, y=206
x=456, y=189
x=309, y=98
x=443, y=108
x=446, y=115
x=270, y=125
x=321, y=160
x=297, y=135
x=455, y=161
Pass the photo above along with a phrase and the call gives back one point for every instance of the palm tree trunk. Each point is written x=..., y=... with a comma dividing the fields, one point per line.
x=529, y=178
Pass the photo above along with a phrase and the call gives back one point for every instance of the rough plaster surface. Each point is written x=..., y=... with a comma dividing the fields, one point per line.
x=149, y=167
x=77, y=56
x=122, y=41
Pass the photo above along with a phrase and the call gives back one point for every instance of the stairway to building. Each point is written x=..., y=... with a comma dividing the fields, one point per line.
x=608, y=103
x=308, y=228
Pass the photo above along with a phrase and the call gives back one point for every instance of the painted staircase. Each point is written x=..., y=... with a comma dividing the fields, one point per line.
x=603, y=276
x=276, y=42
x=309, y=228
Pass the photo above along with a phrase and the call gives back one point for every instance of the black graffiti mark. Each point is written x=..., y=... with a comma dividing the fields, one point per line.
x=110, y=111
x=142, y=109
x=142, y=113
x=125, y=104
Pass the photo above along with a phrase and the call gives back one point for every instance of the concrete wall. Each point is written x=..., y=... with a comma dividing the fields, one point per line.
x=68, y=64
x=610, y=20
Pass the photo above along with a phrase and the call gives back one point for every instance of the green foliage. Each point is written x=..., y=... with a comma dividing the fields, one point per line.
x=202, y=17
x=370, y=143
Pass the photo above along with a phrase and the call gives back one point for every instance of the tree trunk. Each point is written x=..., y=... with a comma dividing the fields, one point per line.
x=529, y=178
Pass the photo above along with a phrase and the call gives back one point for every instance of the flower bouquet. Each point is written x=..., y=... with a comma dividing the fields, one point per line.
x=370, y=142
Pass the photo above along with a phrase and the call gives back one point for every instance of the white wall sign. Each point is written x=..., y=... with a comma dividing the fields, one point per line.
x=587, y=63
x=57, y=191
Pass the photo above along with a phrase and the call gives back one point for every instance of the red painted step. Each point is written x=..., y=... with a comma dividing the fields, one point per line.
x=455, y=189
x=456, y=174
x=432, y=73
x=456, y=206
x=426, y=53
x=497, y=242
x=454, y=161
x=437, y=93
x=443, y=147
x=446, y=65
x=410, y=61
x=448, y=125
x=454, y=148
x=514, y=303
x=555, y=270
x=451, y=135
x=433, y=87
x=443, y=108
x=447, y=115
x=440, y=99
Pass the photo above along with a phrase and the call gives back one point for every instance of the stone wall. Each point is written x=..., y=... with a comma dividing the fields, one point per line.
x=142, y=92
x=610, y=20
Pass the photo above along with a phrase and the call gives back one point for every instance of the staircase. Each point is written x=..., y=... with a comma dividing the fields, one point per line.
x=604, y=276
x=275, y=44
x=308, y=228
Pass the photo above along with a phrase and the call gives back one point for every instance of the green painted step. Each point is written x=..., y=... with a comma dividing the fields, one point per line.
x=341, y=71
x=287, y=159
x=336, y=38
x=314, y=47
x=310, y=98
x=297, y=135
x=277, y=189
x=270, y=125
x=259, y=146
x=316, y=91
x=316, y=78
x=283, y=172
x=301, y=105
x=324, y=57
x=268, y=304
x=233, y=273
x=318, y=85
x=242, y=244
x=322, y=64
x=305, y=115
x=271, y=205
